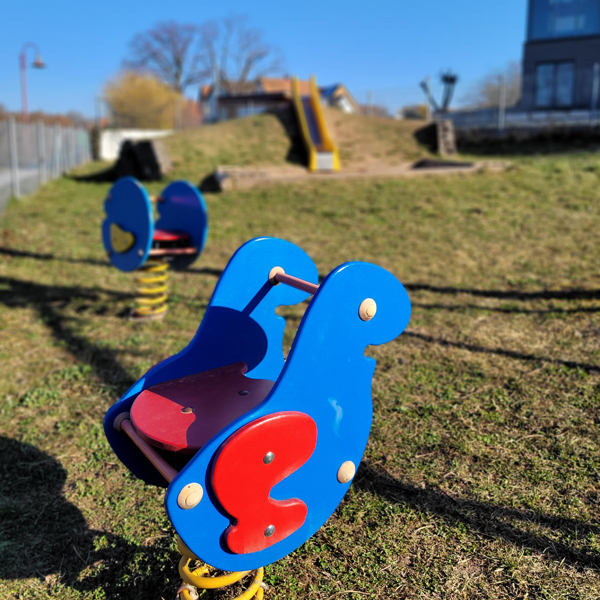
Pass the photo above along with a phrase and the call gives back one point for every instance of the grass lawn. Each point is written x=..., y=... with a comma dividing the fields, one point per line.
x=481, y=478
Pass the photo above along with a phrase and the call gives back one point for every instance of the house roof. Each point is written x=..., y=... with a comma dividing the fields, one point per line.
x=283, y=85
x=228, y=88
x=338, y=90
x=329, y=91
x=237, y=88
x=274, y=87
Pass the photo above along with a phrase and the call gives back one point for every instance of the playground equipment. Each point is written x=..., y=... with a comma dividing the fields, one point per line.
x=323, y=154
x=134, y=241
x=257, y=451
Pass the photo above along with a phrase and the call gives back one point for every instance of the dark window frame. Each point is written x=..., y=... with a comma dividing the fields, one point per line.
x=554, y=96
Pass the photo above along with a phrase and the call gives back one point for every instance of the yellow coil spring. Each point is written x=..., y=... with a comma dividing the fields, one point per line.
x=199, y=578
x=152, y=291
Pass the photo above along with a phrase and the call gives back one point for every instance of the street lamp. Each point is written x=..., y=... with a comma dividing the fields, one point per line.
x=38, y=63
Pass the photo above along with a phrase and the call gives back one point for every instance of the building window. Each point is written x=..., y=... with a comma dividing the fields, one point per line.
x=565, y=81
x=554, y=84
x=544, y=85
x=563, y=18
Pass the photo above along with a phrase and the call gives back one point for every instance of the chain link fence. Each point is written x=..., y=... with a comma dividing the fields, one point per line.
x=33, y=153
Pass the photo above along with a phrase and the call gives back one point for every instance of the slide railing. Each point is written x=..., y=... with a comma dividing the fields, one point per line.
x=322, y=152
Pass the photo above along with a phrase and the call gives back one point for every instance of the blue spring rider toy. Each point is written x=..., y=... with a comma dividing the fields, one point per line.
x=133, y=241
x=257, y=451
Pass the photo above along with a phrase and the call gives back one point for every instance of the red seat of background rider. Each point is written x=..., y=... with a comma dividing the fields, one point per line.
x=181, y=415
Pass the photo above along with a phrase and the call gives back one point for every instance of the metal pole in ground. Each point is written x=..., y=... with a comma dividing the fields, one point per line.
x=73, y=147
x=84, y=147
x=41, y=147
x=14, y=157
x=71, y=139
x=501, y=104
x=57, y=150
x=52, y=147
x=67, y=155
x=595, y=92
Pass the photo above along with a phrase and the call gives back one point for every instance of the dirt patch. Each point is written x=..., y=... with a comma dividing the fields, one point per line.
x=235, y=177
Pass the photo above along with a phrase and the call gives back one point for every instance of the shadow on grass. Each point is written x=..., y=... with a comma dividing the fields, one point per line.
x=91, y=261
x=43, y=535
x=206, y=271
x=566, y=294
x=487, y=520
x=48, y=301
x=524, y=311
x=40, y=256
x=571, y=364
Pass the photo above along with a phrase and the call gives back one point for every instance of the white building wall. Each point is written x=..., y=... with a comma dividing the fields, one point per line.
x=111, y=139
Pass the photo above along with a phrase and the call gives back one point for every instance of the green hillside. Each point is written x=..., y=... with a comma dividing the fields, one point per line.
x=262, y=140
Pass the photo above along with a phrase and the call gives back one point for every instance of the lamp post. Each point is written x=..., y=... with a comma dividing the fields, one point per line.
x=38, y=63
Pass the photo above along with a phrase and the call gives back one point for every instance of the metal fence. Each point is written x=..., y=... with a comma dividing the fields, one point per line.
x=553, y=97
x=33, y=153
x=495, y=118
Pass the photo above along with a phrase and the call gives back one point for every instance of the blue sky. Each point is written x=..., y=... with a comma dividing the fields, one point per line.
x=386, y=46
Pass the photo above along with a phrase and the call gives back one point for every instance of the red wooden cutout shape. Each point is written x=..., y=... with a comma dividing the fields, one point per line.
x=214, y=397
x=242, y=478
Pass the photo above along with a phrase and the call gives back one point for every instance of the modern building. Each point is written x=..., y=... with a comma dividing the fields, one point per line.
x=561, y=61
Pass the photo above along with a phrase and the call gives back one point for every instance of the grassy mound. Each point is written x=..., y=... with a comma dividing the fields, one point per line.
x=373, y=141
x=262, y=140
x=258, y=140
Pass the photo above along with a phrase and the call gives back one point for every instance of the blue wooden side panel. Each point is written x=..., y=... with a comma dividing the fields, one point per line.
x=183, y=209
x=240, y=325
x=327, y=377
x=128, y=205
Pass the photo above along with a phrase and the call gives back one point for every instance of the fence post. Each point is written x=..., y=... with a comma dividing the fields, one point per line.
x=73, y=147
x=595, y=90
x=41, y=151
x=87, y=145
x=14, y=157
x=501, y=105
x=67, y=150
x=76, y=154
x=57, y=150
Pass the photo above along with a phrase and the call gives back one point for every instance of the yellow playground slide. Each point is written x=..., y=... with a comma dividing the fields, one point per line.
x=323, y=154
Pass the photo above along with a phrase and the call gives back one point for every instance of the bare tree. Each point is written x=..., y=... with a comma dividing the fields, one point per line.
x=170, y=52
x=219, y=52
x=233, y=54
x=486, y=92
